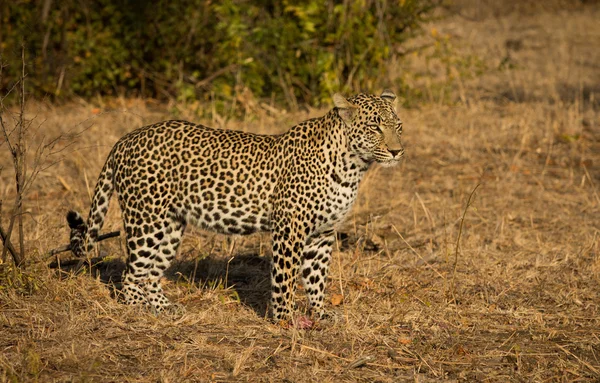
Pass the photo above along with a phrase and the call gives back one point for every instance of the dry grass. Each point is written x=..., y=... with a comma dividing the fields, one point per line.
x=524, y=305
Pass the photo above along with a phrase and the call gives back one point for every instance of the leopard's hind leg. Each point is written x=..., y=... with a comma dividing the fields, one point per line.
x=166, y=252
x=151, y=247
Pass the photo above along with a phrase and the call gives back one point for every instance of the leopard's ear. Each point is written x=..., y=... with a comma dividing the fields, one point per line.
x=346, y=109
x=388, y=95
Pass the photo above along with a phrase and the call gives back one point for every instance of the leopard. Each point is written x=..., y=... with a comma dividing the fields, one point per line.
x=298, y=185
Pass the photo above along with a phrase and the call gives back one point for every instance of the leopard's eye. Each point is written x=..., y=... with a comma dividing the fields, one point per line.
x=375, y=128
x=399, y=128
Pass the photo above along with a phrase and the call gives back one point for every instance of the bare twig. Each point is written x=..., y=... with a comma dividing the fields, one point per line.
x=20, y=160
x=417, y=253
x=78, y=263
x=305, y=347
x=18, y=134
x=589, y=366
x=64, y=248
x=209, y=79
x=8, y=245
x=360, y=362
x=460, y=229
x=15, y=151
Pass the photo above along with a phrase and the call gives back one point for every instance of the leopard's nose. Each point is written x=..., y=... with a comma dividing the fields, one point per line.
x=396, y=152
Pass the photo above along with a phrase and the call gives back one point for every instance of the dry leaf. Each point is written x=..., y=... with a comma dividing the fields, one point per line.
x=337, y=299
x=460, y=350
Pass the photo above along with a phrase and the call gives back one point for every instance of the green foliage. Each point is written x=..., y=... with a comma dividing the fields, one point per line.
x=294, y=51
x=17, y=280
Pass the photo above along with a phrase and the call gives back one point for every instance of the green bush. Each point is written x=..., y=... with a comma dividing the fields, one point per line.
x=292, y=51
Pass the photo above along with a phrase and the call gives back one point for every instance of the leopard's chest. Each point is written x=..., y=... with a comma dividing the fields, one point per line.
x=334, y=208
x=343, y=180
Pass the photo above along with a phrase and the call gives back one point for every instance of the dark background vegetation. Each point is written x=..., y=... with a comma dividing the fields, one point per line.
x=293, y=51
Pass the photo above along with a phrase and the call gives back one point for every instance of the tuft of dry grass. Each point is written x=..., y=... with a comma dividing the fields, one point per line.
x=524, y=304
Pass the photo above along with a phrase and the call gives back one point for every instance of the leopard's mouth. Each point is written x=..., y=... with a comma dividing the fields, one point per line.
x=391, y=159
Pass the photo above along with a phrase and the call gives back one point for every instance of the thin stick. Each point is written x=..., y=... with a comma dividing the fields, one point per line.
x=15, y=149
x=589, y=366
x=76, y=262
x=418, y=255
x=460, y=229
x=102, y=237
x=20, y=168
x=8, y=244
x=302, y=346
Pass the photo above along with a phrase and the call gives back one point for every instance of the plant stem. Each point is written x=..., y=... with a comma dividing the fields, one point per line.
x=460, y=229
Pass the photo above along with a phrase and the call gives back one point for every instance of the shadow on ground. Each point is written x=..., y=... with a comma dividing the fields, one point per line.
x=246, y=274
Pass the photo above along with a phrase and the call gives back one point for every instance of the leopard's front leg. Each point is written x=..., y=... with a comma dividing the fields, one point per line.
x=315, y=269
x=288, y=243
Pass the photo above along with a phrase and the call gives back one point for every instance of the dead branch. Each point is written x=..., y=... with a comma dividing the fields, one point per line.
x=18, y=138
x=16, y=151
x=78, y=263
x=460, y=230
x=20, y=168
x=62, y=249
x=9, y=246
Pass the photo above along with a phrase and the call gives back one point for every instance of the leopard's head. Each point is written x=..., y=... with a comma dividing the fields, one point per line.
x=372, y=127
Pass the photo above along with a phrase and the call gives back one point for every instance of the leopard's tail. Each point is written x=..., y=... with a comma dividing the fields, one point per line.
x=85, y=235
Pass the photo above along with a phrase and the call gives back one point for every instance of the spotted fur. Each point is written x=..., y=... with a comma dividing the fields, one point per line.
x=297, y=185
